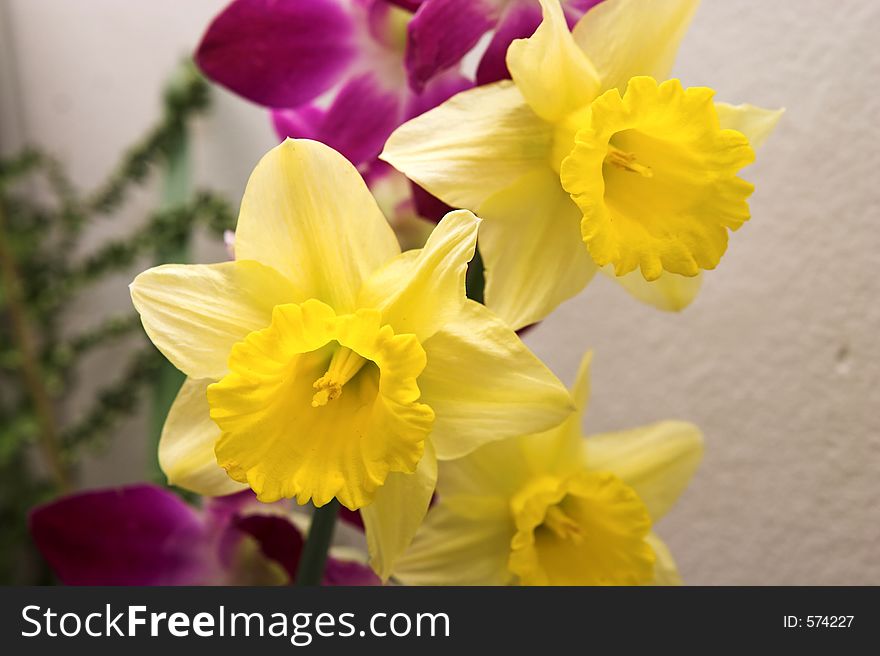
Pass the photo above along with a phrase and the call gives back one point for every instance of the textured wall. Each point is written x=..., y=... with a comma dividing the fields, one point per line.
x=778, y=360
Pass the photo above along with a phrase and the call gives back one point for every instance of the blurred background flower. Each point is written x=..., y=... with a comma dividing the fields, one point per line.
x=348, y=72
x=147, y=535
x=330, y=70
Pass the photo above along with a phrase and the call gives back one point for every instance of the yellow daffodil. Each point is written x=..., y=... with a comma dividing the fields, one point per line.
x=324, y=363
x=588, y=160
x=557, y=509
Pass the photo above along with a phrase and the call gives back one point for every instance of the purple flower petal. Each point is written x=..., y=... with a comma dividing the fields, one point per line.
x=374, y=172
x=282, y=542
x=351, y=517
x=436, y=92
x=519, y=21
x=428, y=206
x=230, y=504
x=378, y=108
x=219, y=515
x=136, y=535
x=279, y=53
x=348, y=572
x=278, y=538
x=442, y=32
x=362, y=116
x=146, y=535
x=301, y=123
x=411, y=5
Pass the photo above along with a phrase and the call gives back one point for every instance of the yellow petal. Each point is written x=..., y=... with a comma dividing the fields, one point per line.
x=665, y=569
x=560, y=451
x=471, y=146
x=532, y=249
x=320, y=405
x=625, y=38
x=657, y=461
x=670, y=292
x=485, y=479
x=550, y=70
x=307, y=212
x=421, y=290
x=452, y=549
x=398, y=509
x=186, y=449
x=484, y=385
x=580, y=391
x=195, y=313
x=754, y=122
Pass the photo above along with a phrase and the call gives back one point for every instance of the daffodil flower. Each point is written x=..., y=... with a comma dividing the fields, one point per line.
x=324, y=363
x=557, y=509
x=588, y=160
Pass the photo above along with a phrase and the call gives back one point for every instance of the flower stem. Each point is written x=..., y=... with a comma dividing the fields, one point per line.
x=314, y=554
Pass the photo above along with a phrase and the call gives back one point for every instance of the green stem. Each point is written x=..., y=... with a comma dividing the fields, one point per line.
x=314, y=554
x=175, y=250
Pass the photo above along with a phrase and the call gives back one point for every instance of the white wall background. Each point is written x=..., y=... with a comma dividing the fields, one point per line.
x=778, y=360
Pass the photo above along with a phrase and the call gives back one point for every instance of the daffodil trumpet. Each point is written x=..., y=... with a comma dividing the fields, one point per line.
x=324, y=363
x=591, y=159
x=557, y=508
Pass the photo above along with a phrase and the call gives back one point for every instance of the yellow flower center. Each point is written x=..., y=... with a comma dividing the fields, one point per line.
x=563, y=526
x=344, y=364
x=588, y=529
x=320, y=405
x=627, y=162
x=655, y=178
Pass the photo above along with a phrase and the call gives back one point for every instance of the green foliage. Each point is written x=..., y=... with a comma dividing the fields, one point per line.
x=43, y=219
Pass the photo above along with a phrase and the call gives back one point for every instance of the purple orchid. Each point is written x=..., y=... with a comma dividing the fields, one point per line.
x=348, y=72
x=444, y=31
x=146, y=535
x=330, y=70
